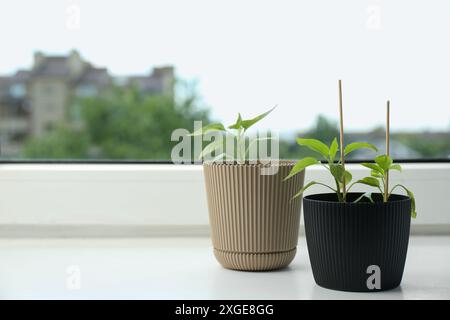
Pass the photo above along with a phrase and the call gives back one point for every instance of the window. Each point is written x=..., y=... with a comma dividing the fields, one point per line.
x=17, y=90
x=91, y=92
x=123, y=85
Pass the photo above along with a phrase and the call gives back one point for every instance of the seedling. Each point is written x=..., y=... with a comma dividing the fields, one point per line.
x=379, y=174
x=379, y=169
x=238, y=131
x=341, y=176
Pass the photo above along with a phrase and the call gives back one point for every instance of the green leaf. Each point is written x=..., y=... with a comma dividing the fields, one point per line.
x=373, y=166
x=340, y=174
x=383, y=161
x=413, y=203
x=237, y=124
x=337, y=171
x=333, y=149
x=348, y=177
x=411, y=196
x=208, y=128
x=315, y=145
x=358, y=145
x=303, y=189
x=301, y=165
x=376, y=174
x=396, y=167
x=370, y=181
x=248, y=123
x=367, y=195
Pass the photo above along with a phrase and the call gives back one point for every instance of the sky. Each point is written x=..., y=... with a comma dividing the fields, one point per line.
x=248, y=56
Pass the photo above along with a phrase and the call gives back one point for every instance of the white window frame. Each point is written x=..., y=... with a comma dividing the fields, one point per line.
x=65, y=200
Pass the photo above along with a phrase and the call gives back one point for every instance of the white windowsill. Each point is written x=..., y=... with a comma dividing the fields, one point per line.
x=123, y=200
x=185, y=268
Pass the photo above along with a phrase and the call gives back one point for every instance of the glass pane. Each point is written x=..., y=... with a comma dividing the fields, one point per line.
x=111, y=80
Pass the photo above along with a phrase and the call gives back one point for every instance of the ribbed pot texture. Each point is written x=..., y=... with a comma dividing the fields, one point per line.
x=345, y=239
x=254, y=221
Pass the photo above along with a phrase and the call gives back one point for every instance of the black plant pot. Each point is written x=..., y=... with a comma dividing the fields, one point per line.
x=348, y=241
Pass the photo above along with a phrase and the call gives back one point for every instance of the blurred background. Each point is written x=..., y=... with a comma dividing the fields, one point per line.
x=102, y=80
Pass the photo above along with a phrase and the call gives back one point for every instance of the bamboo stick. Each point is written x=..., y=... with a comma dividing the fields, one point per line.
x=388, y=111
x=341, y=131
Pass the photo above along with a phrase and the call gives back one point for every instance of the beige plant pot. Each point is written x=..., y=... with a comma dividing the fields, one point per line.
x=254, y=220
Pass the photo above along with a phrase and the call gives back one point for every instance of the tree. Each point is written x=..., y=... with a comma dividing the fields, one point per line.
x=122, y=123
x=323, y=129
x=62, y=142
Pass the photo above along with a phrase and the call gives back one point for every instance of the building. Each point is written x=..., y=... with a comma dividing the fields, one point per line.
x=160, y=81
x=53, y=82
x=14, y=112
x=34, y=101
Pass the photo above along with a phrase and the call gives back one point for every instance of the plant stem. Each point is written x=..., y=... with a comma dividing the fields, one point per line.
x=341, y=129
x=338, y=191
x=386, y=182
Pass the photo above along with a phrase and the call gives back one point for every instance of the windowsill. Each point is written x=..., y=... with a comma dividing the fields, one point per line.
x=82, y=200
x=185, y=268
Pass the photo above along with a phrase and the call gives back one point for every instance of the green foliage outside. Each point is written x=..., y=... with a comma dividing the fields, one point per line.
x=119, y=124
x=61, y=142
x=123, y=123
x=323, y=129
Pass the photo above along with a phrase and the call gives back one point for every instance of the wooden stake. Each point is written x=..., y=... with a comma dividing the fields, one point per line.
x=388, y=111
x=388, y=107
x=341, y=129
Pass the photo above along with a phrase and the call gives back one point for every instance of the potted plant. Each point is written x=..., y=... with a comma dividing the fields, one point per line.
x=356, y=241
x=254, y=223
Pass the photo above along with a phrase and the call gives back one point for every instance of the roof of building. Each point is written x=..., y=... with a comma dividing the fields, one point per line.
x=55, y=66
x=153, y=82
x=97, y=77
x=21, y=76
x=146, y=83
x=60, y=67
